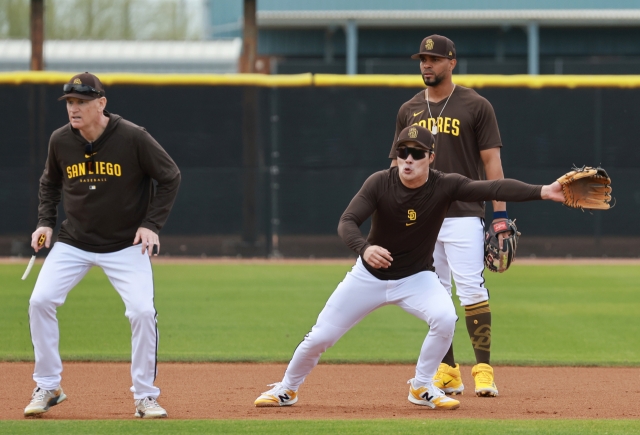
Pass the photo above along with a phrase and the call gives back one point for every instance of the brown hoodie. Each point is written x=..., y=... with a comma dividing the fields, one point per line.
x=107, y=205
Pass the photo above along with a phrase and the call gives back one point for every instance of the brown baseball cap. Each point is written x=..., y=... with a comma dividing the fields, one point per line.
x=85, y=86
x=436, y=45
x=420, y=136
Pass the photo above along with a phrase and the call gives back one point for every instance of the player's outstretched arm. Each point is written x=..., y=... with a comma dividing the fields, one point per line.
x=552, y=192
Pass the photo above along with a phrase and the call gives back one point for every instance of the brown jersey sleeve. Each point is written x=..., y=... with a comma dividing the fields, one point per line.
x=400, y=124
x=487, y=132
x=155, y=162
x=464, y=189
x=50, y=190
x=360, y=208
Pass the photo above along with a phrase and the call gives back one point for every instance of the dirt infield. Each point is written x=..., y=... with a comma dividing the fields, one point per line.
x=227, y=391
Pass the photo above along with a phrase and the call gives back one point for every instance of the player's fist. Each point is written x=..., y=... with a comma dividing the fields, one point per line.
x=377, y=257
x=47, y=232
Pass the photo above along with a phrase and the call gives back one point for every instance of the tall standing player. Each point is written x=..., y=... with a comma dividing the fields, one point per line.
x=104, y=166
x=467, y=143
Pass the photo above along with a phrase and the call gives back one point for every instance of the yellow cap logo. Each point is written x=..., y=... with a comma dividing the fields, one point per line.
x=413, y=132
x=429, y=44
x=450, y=53
x=77, y=82
x=412, y=215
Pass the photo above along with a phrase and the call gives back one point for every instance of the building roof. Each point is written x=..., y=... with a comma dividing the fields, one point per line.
x=421, y=18
x=217, y=55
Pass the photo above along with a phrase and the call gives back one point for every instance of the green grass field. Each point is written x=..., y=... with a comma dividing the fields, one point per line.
x=542, y=315
x=559, y=315
x=366, y=427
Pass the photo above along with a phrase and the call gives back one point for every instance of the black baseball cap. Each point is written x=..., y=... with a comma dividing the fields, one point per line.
x=85, y=86
x=420, y=136
x=436, y=45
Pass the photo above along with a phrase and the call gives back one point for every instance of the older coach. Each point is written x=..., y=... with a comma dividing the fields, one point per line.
x=105, y=167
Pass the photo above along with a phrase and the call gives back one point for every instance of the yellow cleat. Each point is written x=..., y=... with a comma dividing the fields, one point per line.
x=431, y=396
x=449, y=379
x=277, y=396
x=483, y=375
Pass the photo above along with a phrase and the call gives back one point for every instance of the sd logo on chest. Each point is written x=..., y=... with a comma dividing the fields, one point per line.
x=412, y=215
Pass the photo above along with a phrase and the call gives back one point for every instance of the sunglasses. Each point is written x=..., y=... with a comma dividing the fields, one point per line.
x=81, y=89
x=404, y=152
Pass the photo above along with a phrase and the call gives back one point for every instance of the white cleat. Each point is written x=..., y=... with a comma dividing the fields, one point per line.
x=431, y=396
x=149, y=408
x=277, y=396
x=42, y=400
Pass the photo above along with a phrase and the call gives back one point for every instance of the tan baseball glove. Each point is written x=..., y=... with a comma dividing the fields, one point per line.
x=587, y=188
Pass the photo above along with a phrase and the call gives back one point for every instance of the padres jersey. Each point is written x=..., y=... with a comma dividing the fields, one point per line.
x=467, y=126
x=109, y=194
x=407, y=221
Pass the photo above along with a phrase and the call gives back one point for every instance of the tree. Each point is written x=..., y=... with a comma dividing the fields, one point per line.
x=107, y=19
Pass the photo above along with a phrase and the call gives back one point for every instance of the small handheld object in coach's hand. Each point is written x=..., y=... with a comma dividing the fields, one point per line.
x=41, y=241
x=587, y=188
x=496, y=259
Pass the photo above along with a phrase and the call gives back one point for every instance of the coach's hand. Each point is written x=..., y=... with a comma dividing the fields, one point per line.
x=377, y=257
x=148, y=239
x=48, y=232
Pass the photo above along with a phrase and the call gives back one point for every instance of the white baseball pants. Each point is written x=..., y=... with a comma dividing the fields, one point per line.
x=459, y=252
x=130, y=273
x=359, y=294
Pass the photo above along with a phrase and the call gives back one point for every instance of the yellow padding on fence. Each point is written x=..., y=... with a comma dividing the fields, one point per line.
x=484, y=81
x=302, y=80
x=47, y=77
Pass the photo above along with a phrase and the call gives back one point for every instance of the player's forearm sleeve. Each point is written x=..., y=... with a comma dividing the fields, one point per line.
x=399, y=126
x=49, y=192
x=360, y=208
x=156, y=162
x=500, y=190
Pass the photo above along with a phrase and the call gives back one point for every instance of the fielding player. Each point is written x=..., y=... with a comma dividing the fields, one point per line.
x=105, y=167
x=467, y=143
x=408, y=203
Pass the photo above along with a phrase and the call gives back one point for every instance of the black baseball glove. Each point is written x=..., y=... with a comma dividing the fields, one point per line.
x=496, y=259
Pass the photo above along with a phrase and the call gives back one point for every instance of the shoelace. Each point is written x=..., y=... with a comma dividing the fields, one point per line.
x=275, y=386
x=484, y=377
x=150, y=402
x=438, y=390
x=427, y=387
x=38, y=396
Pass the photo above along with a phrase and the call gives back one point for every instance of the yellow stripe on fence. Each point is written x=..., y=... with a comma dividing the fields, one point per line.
x=484, y=81
x=108, y=79
x=328, y=80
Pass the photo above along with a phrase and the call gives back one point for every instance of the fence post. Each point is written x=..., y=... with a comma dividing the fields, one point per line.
x=597, y=155
x=273, y=238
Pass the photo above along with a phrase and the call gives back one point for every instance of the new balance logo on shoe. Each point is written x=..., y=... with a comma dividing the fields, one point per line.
x=284, y=397
x=426, y=396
